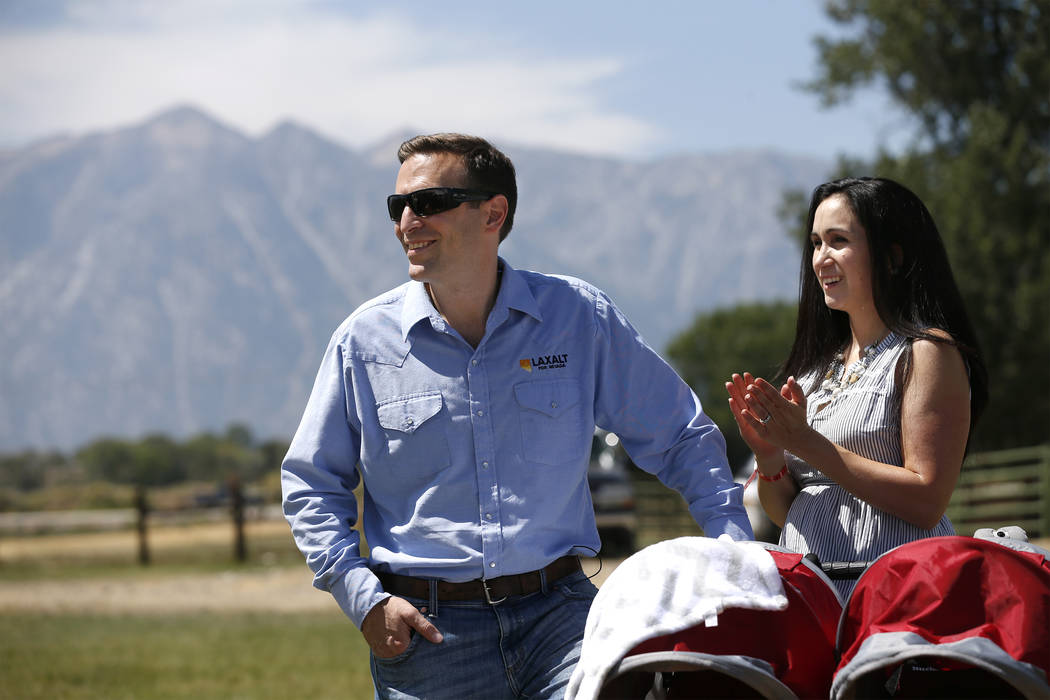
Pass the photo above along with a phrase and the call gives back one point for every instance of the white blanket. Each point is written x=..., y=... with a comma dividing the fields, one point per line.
x=671, y=586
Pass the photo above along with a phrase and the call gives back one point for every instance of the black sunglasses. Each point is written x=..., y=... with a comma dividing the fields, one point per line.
x=433, y=200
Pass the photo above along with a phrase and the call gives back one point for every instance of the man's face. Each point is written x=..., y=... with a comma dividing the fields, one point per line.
x=445, y=248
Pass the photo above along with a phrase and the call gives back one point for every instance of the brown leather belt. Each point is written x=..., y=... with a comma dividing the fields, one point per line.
x=492, y=590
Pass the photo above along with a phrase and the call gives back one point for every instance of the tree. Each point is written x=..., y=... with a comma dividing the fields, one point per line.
x=28, y=470
x=153, y=461
x=157, y=461
x=210, y=457
x=976, y=78
x=755, y=338
x=109, y=459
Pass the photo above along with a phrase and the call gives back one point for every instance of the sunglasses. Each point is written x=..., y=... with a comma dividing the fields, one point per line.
x=433, y=200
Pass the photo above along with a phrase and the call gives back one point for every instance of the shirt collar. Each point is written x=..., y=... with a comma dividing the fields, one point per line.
x=416, y=307
x=514, y=293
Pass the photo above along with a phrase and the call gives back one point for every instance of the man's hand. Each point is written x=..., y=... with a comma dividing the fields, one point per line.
x=388, y=627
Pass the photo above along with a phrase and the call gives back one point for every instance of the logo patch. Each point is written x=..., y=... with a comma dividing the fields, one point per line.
x=543, y=362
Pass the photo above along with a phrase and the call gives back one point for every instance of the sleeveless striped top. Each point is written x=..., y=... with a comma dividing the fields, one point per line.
x=826, y=519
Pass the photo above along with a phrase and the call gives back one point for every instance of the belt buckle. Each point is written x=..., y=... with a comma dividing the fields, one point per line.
x=488, y=594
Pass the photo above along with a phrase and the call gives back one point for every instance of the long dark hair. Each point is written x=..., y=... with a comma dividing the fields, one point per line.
x=912, y=284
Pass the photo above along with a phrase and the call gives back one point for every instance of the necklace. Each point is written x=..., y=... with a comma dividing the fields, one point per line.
x=836, y=379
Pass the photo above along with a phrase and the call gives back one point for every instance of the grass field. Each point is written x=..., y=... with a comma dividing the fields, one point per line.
x=254, y=655
x=79, y=618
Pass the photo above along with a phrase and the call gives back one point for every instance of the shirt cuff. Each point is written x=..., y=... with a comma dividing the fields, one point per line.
x=737, y=527
x=357, y=593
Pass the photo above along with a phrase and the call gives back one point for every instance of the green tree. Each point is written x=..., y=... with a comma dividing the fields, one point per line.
x=975, y=75
x=212, y=458
x=152, y=461
x=240, y=435
x=157, y=461
x=29, y=469
x=753, y=338
x=203, y=457
x=108, y=459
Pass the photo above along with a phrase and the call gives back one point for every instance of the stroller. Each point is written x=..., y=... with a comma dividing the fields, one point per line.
x=941, y=617
x=695, y=617
x=949, y=617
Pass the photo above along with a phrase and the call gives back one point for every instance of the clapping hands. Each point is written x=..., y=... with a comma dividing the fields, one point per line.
x=768, y=420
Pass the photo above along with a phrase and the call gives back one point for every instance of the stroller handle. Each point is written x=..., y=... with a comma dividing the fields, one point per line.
x=840, y=570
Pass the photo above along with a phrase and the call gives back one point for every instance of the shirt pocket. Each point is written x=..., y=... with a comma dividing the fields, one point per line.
x=415, y=429
x=551, y=421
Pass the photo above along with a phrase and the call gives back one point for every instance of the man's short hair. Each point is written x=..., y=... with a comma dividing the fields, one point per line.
x=488, y=169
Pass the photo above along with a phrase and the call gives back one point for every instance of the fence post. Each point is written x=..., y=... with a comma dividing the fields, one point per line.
x=142, y=513
x=1045, y=496
x=240, y=550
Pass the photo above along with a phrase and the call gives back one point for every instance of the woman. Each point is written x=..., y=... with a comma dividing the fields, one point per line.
x=862, y=451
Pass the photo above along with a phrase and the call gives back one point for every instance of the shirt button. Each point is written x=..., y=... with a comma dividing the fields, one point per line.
x=484, y=465
x=488, y=516
x=473, y=363
x=554, y=404
x=481, y=413
x=492, y=565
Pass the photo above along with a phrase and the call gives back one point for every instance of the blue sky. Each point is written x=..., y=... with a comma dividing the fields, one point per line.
x=621, y=78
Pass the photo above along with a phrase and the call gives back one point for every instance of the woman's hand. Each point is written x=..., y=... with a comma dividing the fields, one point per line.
x=776, y=418
x=775, y=496
x=746, y=421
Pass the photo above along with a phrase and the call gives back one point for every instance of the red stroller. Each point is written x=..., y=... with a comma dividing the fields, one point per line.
x=941, y=617
x=751, y=652
x=948, y=617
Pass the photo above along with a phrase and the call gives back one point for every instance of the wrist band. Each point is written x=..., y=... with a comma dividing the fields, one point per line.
x=776, y=477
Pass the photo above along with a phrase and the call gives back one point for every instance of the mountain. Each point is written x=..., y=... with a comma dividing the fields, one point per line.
x=178, y=275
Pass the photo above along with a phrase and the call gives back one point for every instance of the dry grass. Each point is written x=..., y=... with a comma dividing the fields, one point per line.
x=110, y=545
x=192, y=572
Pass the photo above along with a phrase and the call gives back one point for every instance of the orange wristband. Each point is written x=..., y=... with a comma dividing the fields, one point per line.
x=776, y=477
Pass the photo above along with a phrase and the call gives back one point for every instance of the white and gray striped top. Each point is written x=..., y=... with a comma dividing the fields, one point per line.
x=825, y=518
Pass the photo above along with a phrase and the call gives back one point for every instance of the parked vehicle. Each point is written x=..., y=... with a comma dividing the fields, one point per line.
x=612, y=494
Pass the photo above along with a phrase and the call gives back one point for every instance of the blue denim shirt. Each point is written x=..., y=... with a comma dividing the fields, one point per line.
x=474, y=461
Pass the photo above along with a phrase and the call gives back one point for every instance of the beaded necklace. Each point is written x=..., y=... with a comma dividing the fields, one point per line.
x=836, y=379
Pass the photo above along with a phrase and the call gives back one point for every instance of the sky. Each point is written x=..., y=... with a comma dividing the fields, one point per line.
x=627, y=79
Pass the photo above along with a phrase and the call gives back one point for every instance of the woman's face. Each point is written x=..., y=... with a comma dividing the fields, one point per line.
x=841, y=257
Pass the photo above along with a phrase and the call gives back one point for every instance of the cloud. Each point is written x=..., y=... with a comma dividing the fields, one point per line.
x=356, y=79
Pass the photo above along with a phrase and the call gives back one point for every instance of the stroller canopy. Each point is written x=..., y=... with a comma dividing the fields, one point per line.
x=948, y=617
x=713, y=618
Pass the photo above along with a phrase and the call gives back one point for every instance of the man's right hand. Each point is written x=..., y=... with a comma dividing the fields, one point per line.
x=388, y=627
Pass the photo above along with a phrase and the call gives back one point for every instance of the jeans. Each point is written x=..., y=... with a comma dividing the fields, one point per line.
x=524, y=647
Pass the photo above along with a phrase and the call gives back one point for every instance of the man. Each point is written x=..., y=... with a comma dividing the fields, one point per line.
x=465, y=400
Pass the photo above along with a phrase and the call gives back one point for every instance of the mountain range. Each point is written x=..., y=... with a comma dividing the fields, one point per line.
x=178, y=275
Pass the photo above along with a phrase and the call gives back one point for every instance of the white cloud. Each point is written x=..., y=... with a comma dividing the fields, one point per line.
x=354, y=79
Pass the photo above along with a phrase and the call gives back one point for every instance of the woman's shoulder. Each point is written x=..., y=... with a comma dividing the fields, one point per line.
x=936, y=359
x=936, y=344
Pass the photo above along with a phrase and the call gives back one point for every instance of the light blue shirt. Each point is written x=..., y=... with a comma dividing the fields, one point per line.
x=475, y=460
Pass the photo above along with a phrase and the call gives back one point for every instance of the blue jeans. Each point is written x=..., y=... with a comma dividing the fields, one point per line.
x=524, y=647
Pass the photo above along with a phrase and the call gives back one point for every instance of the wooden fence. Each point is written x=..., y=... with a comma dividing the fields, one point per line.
x=1009, y=487
x=662, y=513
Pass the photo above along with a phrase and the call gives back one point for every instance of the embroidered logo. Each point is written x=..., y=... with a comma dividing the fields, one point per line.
x=545, y=362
